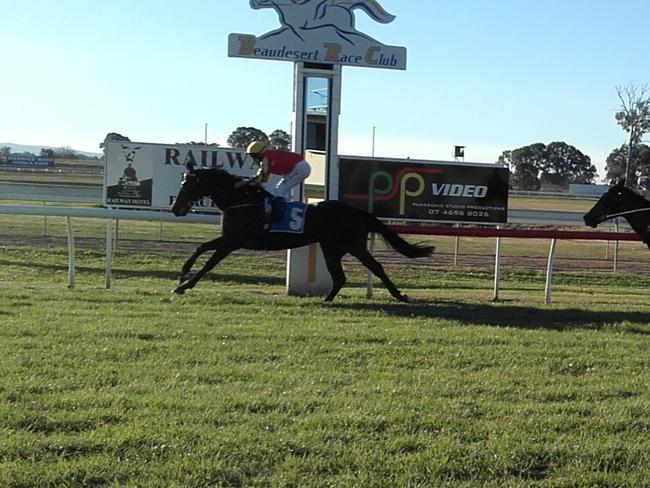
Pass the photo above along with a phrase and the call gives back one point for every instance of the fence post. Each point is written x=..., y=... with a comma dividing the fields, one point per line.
x=549, y=273
x=371, y=248
x=497, y=268
x=109, y=253
x=616, y=247
x=71, y=253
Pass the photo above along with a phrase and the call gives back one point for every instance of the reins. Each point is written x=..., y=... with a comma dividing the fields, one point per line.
x=627, y=212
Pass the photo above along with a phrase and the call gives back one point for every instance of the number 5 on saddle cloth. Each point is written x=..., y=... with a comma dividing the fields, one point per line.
x=285, y=216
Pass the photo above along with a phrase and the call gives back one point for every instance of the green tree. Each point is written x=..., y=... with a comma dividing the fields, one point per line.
x=527, y=162
x=639, y=167
x=565, y=164
x=634, y=118
x=279, y=139
x=557, y=164
x=243, y=136
x=5, y=151
x=65, y=153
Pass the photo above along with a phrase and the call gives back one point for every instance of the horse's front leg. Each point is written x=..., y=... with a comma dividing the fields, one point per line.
x=221, y=246
x=203, y=248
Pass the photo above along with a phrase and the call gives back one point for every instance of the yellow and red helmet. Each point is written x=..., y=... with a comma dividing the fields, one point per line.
x=256, y=147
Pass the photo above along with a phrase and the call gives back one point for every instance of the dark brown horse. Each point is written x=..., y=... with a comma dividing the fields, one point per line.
x=620, y=201
x=337, y=227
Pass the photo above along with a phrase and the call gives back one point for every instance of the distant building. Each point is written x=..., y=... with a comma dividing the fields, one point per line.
x=587, y=190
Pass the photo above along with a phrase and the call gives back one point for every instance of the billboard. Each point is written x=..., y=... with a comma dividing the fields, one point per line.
x=29, y=160
x=440, y=191
x=146, y=175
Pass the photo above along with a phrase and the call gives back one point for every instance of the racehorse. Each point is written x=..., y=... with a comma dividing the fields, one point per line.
x=336, y=226
x=620, y=201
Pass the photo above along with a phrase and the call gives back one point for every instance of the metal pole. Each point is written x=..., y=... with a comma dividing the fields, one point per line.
x=117, y=233
x=71, y=254
x=371, y=248
x=549, y=272
x=616, y=248
x=456, y=247
x=373, y=140
x=45, y=222
x=497, y=269
x=109, y=253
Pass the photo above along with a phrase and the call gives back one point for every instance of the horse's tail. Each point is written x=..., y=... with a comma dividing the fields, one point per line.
x=373, y=9
x=393, y=238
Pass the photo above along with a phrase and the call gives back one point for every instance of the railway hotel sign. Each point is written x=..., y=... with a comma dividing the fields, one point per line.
x=320, y=31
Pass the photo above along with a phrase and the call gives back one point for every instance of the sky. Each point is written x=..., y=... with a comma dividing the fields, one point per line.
x=490, y=75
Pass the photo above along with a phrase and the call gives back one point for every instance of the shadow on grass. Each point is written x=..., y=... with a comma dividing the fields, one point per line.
x=500, y=315
x=214, y=276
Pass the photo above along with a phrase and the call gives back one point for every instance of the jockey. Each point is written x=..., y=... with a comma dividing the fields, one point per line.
x=291, y=166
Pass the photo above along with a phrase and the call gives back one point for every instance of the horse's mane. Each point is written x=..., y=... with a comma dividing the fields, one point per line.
x=220, y=174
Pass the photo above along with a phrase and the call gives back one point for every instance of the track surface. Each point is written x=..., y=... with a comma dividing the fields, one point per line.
x=437, y=260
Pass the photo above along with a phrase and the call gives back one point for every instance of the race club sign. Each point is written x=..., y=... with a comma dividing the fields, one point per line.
x=320, y=31
x=425, y=191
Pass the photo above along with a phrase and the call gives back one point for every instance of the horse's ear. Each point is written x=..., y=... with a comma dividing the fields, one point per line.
x=190, y=166
x=620, y=184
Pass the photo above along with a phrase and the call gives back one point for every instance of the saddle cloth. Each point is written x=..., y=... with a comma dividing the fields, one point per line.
x=293, y=218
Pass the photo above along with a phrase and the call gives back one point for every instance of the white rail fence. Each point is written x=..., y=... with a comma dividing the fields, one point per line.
x=114, y=215
x=91, y=194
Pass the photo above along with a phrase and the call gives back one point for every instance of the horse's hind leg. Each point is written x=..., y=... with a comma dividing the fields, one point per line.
x=334, y=266
x=368, y=260
x=222, y=249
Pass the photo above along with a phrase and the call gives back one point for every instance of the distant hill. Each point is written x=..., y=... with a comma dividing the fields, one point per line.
x=19, y=148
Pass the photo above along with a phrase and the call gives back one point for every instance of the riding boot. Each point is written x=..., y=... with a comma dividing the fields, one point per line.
x=277, y=209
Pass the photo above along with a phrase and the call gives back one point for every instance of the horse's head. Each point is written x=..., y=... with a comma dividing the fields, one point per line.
x=193, y=188
x=257, y=4
x=224, y=188
x=610, y=202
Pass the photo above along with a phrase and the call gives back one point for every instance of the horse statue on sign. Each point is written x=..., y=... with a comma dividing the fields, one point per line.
x=620, y=201
x=336, y=226
x=299, y=17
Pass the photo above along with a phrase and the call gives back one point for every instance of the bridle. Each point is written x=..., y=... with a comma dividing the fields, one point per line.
x=627, y=212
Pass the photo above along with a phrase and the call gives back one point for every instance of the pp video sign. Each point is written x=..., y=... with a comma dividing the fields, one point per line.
x=425, y=191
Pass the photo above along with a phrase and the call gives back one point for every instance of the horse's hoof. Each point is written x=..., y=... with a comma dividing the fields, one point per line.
x=404, y=299
x=179, y=291
x=184, y=277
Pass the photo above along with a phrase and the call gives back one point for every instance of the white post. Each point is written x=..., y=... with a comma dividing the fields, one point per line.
x=371, y=248
x=45, y=222
x=549, y=273
x=71, y=254
x=456, y=247
x=497, y=269
x=117, y=233
x=109, y=253
x=616, y=248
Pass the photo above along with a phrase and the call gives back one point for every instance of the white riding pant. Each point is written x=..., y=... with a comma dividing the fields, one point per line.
x=293, y=178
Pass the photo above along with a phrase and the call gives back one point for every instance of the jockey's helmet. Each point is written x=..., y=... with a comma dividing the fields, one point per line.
x=256, y=147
